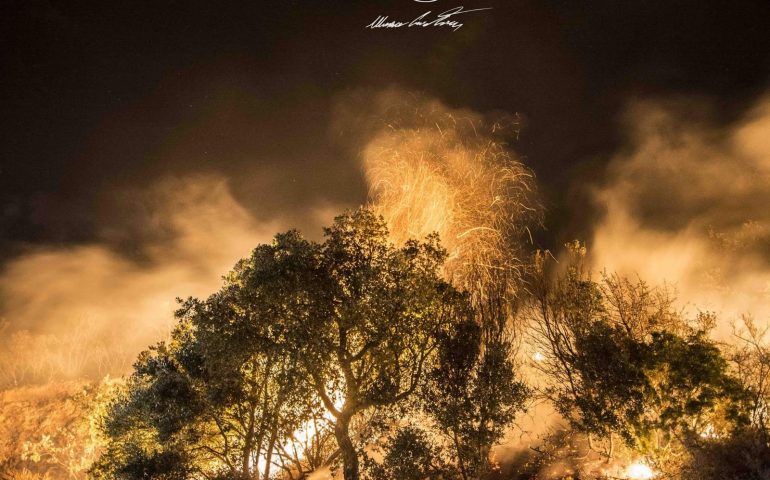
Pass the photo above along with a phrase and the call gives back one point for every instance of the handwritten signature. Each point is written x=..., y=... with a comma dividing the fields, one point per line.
x=443, y=19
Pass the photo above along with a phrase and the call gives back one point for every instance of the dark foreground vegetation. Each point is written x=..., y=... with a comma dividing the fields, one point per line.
x=355, y=354
x=358, y=357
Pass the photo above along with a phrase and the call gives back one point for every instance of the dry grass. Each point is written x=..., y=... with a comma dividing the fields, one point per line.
x=49, y=431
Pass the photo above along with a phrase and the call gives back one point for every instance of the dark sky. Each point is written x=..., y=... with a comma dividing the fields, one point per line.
x=111, y=95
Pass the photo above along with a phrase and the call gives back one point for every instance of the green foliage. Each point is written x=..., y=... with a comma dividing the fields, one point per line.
x=744, y=455
x=689, y=376
x=349, y=325
x=410, y=455
x=611, y=386
x=473, y=395
x=621, y=361
x=220, y=396
x=161, y=464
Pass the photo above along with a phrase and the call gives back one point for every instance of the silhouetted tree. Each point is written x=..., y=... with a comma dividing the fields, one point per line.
x=410, y=455
x=346, y=326
x=467, y=405
x=473, y=395
x=371, y=319
x=215, y=400
x=621, y=361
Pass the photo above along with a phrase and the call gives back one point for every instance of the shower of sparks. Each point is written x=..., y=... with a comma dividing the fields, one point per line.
x=442, y=174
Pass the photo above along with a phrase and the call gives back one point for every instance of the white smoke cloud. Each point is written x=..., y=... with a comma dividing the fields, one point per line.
x=686, y=203
x=88, y=309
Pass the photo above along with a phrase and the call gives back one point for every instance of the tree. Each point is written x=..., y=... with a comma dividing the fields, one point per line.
x=741, y=452
x=473, y=394
x=621, y=361
x=219, y=398
x=750, y=358
x=369, y=320
x=347, y=326
x=468, y=402
x=410, y=455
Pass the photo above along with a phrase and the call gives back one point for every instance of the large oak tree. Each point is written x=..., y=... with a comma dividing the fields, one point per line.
x=347, y=326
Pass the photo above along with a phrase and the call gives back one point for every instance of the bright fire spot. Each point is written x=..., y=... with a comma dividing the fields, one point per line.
x=538, y=357
x=639, y=471
x=709, y=432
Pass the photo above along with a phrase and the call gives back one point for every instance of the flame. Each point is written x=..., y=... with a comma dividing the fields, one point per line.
x=709, y=432
x=639, y=471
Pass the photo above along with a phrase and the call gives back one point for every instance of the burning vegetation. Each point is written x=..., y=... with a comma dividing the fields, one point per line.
x=424, y=337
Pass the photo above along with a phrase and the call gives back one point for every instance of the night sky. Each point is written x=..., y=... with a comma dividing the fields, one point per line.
x=102, y=97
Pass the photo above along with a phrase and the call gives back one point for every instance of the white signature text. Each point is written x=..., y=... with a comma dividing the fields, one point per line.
x=444, y=19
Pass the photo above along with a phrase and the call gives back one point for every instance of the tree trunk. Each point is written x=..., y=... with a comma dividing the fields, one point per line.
x=348, y=451
x=245, y=470
x=270, y=447
x=460, y=460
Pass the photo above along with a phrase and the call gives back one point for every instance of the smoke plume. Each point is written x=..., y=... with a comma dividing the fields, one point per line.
x=87, y=310
x=686, y=204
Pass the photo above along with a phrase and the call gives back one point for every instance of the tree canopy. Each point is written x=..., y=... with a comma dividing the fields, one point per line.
x=344, y=326
x=318, y=354
x=621, y=361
